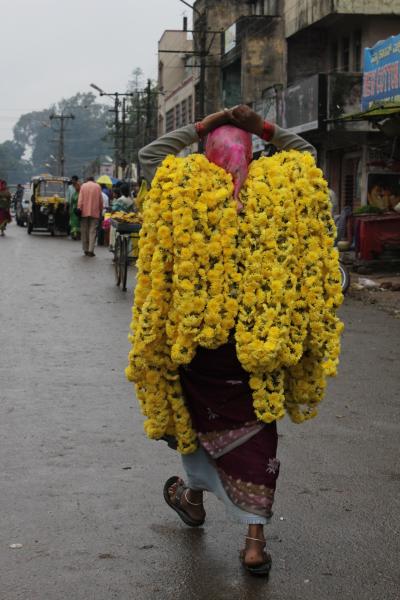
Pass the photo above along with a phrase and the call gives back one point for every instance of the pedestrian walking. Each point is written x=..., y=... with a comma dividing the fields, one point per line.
x=90, y=207
x=5, y=205
x=74, y=218
x=236, y=456
x=106, y=205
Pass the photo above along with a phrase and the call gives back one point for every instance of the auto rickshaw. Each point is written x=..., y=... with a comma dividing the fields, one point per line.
x=48, y=209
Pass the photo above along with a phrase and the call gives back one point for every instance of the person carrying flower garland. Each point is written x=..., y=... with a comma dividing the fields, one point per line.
x=236, y=458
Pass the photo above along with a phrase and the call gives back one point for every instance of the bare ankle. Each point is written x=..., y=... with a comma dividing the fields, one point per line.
x=256, y=532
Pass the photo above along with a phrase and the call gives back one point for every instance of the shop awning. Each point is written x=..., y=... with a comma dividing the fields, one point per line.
x=376, y=113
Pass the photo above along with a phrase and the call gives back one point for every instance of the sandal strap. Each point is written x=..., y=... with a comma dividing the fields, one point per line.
x=179, y=490
x=188, y=501
x=255, y=539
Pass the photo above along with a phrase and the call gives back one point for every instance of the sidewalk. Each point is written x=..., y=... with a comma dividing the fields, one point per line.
x=382, y=289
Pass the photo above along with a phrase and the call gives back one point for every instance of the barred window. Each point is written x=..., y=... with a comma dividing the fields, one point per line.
x=169, y=121
x=184, y=112
x=178, y=116
x=190, y=109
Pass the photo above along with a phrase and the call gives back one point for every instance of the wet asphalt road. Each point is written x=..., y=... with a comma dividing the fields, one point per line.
x=81, y=486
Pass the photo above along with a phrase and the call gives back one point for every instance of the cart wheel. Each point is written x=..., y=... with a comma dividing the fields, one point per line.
x=124, y=262
x=117, y=259
x=344, y=276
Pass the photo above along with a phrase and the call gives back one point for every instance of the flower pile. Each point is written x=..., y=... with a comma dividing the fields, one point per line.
x=50, y=201
x=269, y=274
x=124, y=217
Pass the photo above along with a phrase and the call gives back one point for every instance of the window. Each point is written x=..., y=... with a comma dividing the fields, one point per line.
x=345, y=54
x=357, y=51
x=52, y=188
x=178, y=122
x=258, y=7
x=264, y=7
x=169, y=120
x=190, y=109
x=184, y=112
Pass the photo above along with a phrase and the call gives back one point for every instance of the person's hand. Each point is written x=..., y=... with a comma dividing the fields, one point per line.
x=244, y=117
x=215, y=120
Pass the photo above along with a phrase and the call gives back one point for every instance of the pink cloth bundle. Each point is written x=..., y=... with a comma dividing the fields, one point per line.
x=231, y=148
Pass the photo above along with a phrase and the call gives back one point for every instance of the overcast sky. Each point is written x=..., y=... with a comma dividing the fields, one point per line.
x=51, y=49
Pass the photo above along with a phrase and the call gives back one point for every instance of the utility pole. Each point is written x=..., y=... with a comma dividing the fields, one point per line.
x=202, y=51
x=116, y=138
x=148, y=112
x=115, y=110
x=202, y=78
x=61, y=154
x=123, y=140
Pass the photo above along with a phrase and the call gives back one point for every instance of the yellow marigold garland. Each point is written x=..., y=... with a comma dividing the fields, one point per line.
x=270, y=273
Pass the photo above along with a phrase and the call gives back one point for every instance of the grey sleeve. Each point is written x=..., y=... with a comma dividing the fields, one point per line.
x=285, y=140
x=152, y=155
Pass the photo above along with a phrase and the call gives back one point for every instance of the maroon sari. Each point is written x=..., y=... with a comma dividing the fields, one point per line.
x=243, y=449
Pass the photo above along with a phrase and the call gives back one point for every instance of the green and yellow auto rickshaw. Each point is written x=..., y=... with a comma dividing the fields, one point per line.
x=48, y=208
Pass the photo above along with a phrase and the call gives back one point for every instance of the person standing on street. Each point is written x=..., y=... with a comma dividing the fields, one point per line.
x=5, y=205
x=106, y=204
x=74, y=218
x=90, y=205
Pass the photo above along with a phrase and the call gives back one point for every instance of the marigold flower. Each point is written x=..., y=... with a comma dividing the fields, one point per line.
x=270, y=273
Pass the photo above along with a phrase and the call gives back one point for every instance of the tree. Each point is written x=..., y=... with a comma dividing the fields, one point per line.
x=13, y=168
x=85, y=138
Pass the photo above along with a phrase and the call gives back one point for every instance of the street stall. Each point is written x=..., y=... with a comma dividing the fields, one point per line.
x=376, y=223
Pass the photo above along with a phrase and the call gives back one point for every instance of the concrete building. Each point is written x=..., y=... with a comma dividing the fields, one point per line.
x=325, y=44
x=246, y=50
x=299, y=63
x=177, y=75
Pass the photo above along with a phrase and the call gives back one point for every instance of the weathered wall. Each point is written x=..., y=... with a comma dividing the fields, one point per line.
x=219, y=16
x=307, y=54
x=173, y=64
x=172, y=72
x=261, y=52
x=302, y=13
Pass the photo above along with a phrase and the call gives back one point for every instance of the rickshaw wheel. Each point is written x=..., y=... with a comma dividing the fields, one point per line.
x=117, y=259
x=30, y=227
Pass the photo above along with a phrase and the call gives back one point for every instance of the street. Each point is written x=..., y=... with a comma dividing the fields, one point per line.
x=81, y=486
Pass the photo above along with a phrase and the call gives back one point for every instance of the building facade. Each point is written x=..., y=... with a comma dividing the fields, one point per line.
x=177, y=75
x=299, y=63
x=246, y=50
x=325, y=46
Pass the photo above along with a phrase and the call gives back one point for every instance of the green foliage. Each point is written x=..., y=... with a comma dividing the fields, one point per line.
x=13, y=168
x=367, y=209
x=85, y=140
x=88, y=138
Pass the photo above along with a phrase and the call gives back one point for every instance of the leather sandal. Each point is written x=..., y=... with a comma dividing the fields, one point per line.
x=176, y=504
x=263, y=568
